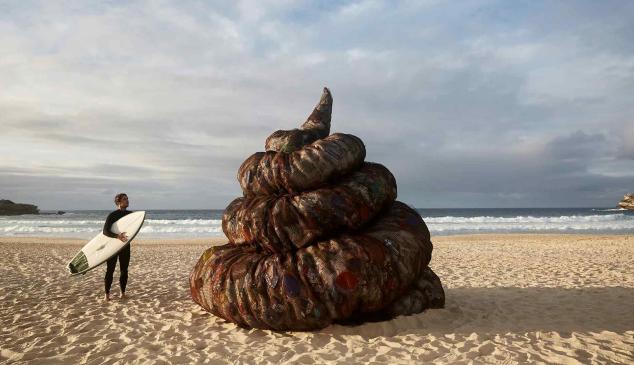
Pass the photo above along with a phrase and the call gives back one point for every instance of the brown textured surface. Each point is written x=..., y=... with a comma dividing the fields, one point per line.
x=317, y=238
x=266, y=173
x=316, y=126
x=281, y=223
x=311, y=287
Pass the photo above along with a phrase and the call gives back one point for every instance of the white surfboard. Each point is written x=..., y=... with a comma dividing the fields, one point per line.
x=102, y=247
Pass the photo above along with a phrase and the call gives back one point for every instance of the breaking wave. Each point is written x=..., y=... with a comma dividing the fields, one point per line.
x=186, y=226
x=88, y=228
x=568, y=224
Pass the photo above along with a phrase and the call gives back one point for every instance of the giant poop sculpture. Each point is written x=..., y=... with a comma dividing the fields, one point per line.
x=317, y=238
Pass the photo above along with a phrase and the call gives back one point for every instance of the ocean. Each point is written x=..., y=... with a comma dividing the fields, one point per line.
x=208, y=223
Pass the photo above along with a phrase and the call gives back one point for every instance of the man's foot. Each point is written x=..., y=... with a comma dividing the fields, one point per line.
x=123, y=296
x=107, y=298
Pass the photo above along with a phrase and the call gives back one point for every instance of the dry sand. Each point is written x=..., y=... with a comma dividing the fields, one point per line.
x=510, y=299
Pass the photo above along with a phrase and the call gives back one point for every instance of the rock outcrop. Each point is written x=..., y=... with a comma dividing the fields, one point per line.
x=7, y=207
x=627, y=202
x=318, y=237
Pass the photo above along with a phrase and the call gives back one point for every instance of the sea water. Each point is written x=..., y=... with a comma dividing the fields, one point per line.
x=208, y=223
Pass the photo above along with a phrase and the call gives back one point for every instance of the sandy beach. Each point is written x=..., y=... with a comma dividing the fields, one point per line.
x=510, y=299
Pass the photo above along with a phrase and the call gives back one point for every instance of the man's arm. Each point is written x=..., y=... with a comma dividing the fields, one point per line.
x=106, y=227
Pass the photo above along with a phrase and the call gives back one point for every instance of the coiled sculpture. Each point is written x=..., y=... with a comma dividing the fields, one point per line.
x=317, y=237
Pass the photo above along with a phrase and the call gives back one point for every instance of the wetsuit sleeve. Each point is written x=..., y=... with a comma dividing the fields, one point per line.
x=109, y=222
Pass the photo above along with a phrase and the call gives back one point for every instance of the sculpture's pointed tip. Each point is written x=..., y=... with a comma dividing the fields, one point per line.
x=326, y=98
x=320, y=117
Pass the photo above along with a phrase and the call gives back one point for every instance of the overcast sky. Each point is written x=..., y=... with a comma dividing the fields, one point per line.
x=469, y=103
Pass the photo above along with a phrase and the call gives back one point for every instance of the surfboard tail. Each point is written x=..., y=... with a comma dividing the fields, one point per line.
x=78, y=264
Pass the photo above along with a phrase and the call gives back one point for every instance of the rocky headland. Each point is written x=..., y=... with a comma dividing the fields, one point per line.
x=627, y=202
x=7, y=207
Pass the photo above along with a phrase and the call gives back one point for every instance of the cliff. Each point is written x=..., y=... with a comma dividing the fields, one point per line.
x=627, y=202
x=7, y=207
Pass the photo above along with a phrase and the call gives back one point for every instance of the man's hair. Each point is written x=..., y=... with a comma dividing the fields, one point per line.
x=118, y=197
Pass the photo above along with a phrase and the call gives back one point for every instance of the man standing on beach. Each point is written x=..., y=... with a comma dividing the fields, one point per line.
x=121, y=200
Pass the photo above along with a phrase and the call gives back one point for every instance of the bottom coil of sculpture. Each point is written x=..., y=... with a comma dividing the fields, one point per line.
x=378, y=272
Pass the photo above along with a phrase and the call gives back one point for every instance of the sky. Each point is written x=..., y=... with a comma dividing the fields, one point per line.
x=469, y=103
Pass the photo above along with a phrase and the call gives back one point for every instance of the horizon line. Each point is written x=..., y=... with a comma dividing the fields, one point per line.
x=418, y=208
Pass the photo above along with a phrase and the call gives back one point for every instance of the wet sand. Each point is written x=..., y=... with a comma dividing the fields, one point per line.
x=510, y=299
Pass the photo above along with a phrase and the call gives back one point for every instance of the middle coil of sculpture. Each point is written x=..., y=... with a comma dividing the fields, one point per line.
x=317, y=238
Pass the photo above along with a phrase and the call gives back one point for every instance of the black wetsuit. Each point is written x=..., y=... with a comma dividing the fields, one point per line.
x=123, y=255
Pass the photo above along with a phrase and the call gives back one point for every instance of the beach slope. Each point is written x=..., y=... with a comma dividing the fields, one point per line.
x=510, y=298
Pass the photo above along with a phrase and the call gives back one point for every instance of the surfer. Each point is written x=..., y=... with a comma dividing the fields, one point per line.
x=121, y=200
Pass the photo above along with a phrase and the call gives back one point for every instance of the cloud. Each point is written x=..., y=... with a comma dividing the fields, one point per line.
x=626, y=137
x=470, y=104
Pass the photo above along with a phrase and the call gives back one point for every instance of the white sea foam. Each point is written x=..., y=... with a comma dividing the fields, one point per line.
x=100, y=222
x=28, y=226
x=147, y=229
x=86, y=228
x=574, y=223
x=52, y=222
x=21, y=229
x=530, y=219
x=196, y=222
